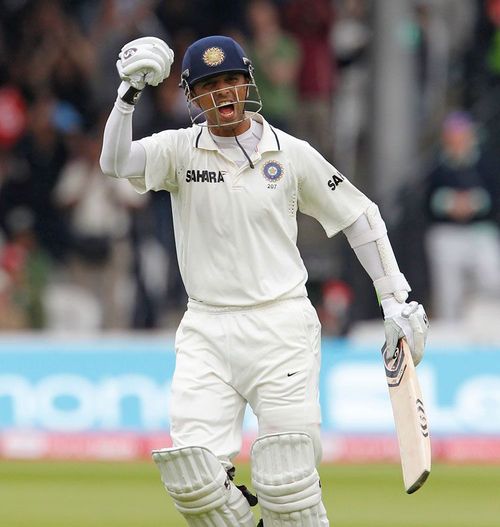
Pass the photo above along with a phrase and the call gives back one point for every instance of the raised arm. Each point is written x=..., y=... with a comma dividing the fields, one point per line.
x=120, y=156
x=143, y=61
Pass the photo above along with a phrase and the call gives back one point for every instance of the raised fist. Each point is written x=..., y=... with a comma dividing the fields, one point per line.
x=145, y=60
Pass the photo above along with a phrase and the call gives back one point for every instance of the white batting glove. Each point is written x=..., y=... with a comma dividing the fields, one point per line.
x=405, y=320
x=145, y=60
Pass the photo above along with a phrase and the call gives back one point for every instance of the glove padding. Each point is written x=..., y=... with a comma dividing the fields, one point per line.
x=409, y=321
x=145, y=60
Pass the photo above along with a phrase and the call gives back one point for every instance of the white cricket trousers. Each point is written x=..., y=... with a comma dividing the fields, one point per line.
x=267, y=356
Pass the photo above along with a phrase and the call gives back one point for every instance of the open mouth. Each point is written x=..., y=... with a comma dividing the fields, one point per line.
x=226, y=109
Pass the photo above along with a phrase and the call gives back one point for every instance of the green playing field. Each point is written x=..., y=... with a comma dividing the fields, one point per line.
x=73, y=494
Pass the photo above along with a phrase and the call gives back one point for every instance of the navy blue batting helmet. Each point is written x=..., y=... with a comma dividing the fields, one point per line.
x=211, y=56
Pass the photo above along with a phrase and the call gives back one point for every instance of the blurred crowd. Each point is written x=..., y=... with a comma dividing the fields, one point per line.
x=80, y=251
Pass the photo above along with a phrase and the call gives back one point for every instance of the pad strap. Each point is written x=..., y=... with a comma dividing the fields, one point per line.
x=369, y=227
x=368, y=236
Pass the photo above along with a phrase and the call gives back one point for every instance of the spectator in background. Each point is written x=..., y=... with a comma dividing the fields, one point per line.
x=310, y=21
x=482, y=75
x=42, y=152
x=275, y=56
x=350, y=38
x=433, y=62
x=463, y=240
x=334, y=309
x=97, y=210
x=24, y=274
x=53, y=56
x=13, y=109
x=443, y=34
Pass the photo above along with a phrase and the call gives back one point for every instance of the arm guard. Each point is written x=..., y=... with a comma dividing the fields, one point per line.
x=368, y=238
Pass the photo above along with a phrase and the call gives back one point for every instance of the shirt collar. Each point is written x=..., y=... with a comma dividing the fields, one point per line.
x=269, y=141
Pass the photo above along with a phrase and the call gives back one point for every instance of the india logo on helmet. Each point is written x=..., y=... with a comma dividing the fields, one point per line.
x=213, y=56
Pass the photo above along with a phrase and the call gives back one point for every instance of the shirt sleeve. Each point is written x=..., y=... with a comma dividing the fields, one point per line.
x=327, y=195
x=161, y=161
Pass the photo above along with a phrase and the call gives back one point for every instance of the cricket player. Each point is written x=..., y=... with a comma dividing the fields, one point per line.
x=250, y=334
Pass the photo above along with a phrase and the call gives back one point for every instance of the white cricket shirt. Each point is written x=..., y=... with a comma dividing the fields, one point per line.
x=235, y=227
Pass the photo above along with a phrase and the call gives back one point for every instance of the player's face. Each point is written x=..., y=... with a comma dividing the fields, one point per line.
x=221, y=98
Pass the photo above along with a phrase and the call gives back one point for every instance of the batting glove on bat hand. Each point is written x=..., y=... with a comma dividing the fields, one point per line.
x=408, y=321
x=145, y=60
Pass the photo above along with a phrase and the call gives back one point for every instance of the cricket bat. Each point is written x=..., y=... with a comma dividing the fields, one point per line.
x=409, y=416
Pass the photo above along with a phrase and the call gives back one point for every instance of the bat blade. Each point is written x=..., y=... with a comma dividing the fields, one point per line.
x=409, y=416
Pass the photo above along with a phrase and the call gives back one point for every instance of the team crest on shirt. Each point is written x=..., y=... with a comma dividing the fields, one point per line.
x=273, y=171
x=213, y=56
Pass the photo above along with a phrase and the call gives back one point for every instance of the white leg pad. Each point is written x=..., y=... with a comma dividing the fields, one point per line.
x=201, y=489
x=287, y=483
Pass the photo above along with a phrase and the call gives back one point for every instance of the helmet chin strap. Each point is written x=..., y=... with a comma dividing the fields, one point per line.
x=244, y=151
x=234, y=129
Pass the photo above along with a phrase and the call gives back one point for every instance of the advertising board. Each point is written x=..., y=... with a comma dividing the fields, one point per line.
x=108, y=398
